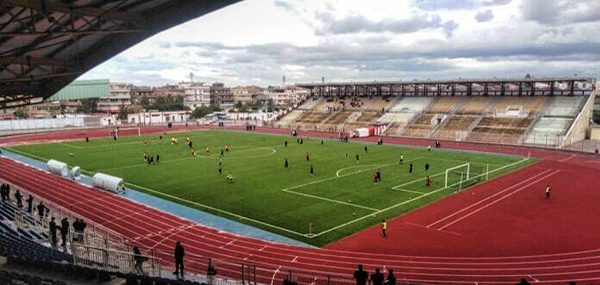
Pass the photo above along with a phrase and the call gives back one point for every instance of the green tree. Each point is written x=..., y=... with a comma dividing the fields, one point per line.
x=123, y=112
x=88, y=106
x=596, y=116
x=201, y=112
x=145, y=102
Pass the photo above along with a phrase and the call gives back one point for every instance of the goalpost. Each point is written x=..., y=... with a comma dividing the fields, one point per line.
x=131, y=131
x=464, y=170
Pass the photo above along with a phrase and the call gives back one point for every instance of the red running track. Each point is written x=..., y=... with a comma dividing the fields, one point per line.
x=496, y=233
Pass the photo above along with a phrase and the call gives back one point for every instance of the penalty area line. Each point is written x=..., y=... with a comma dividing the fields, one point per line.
x=331, y=200
x=410, y=200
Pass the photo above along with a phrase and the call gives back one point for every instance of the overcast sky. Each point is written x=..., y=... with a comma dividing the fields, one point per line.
x=260, y=41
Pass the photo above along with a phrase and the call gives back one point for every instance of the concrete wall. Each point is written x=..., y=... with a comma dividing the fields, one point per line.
x=595, y=134
x=581, y=126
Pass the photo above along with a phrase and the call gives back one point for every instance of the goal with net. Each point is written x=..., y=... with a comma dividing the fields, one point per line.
x=465, y=175
x=130, y=131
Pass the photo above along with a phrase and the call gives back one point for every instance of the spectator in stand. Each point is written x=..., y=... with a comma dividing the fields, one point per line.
x=19, y=199
x=361, y=276
x=7, y=191
x=211, y=272
x=523, y=282
x=41, y=207
x=139, y=260
x=2, y=191
x=77, y=228
x=179, y=254
x=391, y=279
x=376, y=278
x=29, y=204
x=64, y=230
x=53, y=229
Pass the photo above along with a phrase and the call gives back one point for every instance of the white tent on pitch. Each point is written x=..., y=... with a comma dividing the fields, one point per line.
x=108, y=182
x=57, y=167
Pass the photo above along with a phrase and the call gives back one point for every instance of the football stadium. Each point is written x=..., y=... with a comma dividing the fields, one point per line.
x=439, y=181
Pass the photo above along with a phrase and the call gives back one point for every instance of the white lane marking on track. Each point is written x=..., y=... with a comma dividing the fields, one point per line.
x=568, y=158
x=496, y=201
x=487, y=198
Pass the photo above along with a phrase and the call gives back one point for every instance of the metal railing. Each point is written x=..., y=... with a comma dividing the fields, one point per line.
x=95, y=234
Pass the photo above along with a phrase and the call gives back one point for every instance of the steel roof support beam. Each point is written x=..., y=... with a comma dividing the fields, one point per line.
x=47, y=7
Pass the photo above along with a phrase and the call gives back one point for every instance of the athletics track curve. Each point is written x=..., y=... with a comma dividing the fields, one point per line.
x=496, y=233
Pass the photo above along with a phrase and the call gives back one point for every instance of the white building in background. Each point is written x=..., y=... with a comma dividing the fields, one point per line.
x=283, y=97
x=158, y=118
x=120, y=96
x=196, y=94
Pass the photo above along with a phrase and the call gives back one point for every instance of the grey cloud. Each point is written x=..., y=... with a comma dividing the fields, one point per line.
x=164, y=45
x=484, y=16
x=284, y=5
x=358, y=23
x=554, y=12
x=432, y=5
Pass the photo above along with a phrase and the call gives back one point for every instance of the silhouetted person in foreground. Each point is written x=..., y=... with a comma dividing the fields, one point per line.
x=523, y=282
x=391, y=278
x=179, y=253
x=376, y=278
x=361, y=276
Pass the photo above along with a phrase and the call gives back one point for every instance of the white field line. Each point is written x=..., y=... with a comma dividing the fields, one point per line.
x=496, y=201
x=409, y=201
x=409, y=191
x=217, y=210
x=568, y=158
x=288, y=190
x=72, y=146
x=330, y=200
x=490, y=197
x=273, y=151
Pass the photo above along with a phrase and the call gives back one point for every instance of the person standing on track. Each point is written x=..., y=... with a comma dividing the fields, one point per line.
x=376, y=278
x=361, y=276
x=548, y=191
x=390, y=279
x=384, y=228
x=179, y=254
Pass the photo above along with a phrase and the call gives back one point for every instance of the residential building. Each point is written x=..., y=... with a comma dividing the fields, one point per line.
x=247, y=94
x=221, y=95
x=120, y=96
x=138, y=92
x=286, y=96
x=196, y=94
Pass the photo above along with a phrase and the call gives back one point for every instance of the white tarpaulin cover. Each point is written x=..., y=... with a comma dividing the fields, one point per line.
x=57, y=167
x=108, y=182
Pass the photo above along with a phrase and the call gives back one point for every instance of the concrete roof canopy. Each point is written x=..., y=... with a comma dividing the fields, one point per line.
x=46, y=44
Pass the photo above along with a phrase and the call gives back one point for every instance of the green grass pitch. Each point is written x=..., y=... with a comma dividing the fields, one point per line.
x=339, y=200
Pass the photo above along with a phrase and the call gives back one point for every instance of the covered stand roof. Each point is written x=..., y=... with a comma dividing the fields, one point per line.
x=46, y=44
